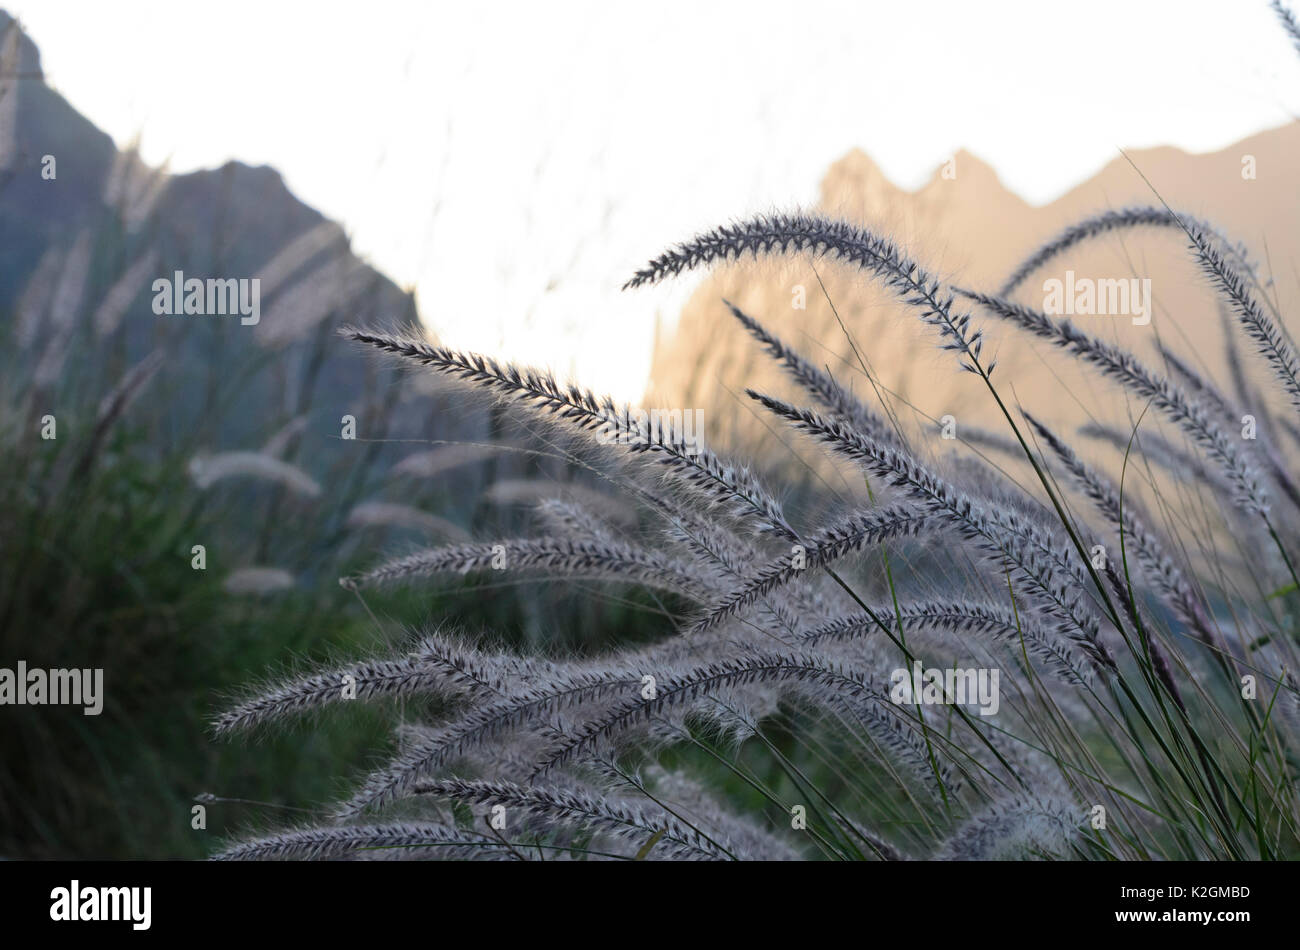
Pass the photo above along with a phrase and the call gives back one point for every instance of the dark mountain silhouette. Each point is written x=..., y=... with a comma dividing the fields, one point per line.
x=111, y=222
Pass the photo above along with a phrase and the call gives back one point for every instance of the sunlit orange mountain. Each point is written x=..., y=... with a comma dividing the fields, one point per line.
x=972, y=229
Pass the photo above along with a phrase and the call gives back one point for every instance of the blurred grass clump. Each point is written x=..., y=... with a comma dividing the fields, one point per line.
x=127, y=440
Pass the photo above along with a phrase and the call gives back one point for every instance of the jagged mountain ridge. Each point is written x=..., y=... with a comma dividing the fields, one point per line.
x=105, y=212
x=973, y=230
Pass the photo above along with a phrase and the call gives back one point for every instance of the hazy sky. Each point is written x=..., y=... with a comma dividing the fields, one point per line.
x=515, y=161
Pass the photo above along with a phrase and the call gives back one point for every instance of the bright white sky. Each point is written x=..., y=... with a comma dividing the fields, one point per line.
x=515, y=161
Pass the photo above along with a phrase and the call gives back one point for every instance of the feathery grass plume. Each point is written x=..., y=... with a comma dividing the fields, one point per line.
x=732, y=717
x=747, y=839
x=71, y=288
x=533, y=705
x=1158, y=451
x=626, y=820
x=772, y=689
x=207, y=470
x=1159, y=657
x=65, y=305
x=726, y=558
x=825, y=237
x=108, y=316
x=834, y=683
x=819, y=383
x=278, y=444
x=328, y=235
x=9, y=70
x=1258, y=325
x=707, y=540
x=1243, y=388
x=380, y=678
x=1023, y=827
x=531, y=491
x=1195, y=384
x=257, y=580
x=1001, y=536
x=1107, y=222
x=34, y=303
x=979, y=478
x=1190, y=416
x=133, y=381
x=479, y=673
x=387, y=514
x=444, y=458
x=115, y=402
x=1001, y=624
x=1204, y=389
x=882, y=723
x=568, y=518
x=584, y=412
x=994, y=441
x=567, y=557
x=336, y=842
x=1231, y=415
x=1159, y=568
x=133, y=187
x=301, y=307
x=1288, y=22
x=864, y=528
x=1222, y=261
